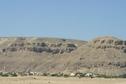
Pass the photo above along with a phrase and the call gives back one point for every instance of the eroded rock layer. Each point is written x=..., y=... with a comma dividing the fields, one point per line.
x=103, y=55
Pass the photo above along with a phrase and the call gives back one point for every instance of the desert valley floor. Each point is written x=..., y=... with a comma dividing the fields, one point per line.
x=59, y=80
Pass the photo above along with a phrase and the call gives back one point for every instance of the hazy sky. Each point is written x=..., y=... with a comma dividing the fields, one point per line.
x=78, y=19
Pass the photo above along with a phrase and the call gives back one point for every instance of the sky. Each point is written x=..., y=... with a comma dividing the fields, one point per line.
x=73, y=19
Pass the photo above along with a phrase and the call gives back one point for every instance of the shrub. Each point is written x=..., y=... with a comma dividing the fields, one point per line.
x=57, y=74
x=4, y=74
x=7, y=74
x=80, y=75
x=60, y=75
x=54, y=74
x=13, y=74
x=122, y=76
x=66, y=75
x=45, y=74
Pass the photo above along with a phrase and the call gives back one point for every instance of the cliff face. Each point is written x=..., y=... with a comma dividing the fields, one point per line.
x=103, y=55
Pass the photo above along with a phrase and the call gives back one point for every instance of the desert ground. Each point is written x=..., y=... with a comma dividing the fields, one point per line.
x=58, y=80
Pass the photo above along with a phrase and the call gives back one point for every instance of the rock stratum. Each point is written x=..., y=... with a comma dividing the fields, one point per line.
x=103, y=55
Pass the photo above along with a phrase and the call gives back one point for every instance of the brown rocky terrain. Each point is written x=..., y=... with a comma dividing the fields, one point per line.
x=103, y=55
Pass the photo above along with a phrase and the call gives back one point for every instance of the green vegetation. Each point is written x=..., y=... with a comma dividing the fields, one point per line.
x=66, y=75
x=8, y=74
x=80, y=75
x=45, y=74
x=122, y=76
x=57, y=74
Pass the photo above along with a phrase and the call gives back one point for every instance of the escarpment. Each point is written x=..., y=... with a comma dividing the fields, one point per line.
x=103, y=55
x=108, y=42
x=40, y=47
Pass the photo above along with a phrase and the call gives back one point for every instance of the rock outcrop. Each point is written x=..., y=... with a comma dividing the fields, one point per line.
x=54, y=48
x=108, y=42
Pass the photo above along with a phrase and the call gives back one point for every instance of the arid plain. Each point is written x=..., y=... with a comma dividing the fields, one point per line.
x=59, y=80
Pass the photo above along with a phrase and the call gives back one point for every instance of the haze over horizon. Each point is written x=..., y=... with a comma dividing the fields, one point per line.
x=73, y=19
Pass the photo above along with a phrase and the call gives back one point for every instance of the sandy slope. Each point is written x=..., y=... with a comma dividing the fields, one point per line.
x=53, y=80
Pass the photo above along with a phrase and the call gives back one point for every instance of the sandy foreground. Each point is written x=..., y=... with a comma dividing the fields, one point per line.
x=59, y=80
